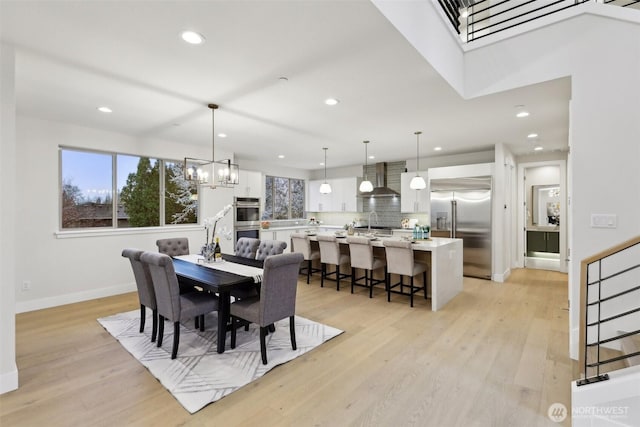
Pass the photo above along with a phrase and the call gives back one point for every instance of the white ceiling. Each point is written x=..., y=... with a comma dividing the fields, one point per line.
x=73, y=56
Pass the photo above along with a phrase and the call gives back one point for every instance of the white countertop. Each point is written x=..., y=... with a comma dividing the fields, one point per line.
x=543, y=228
x=302, y=227
x=420, y=245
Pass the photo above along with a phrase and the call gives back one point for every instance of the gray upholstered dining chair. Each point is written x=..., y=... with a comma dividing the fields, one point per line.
x=172, y=305
x=146, y=294
x=174, y=246
x=362, y=257
x=277, y=299
x=270, y=247
x=247, y=247
x=400, y=261
x=300, y=243
x=330, y=254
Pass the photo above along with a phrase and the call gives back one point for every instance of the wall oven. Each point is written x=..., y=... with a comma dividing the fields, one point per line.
x=246, y=218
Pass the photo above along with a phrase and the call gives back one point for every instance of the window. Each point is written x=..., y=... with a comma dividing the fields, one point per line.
x=88, y=188
x=284, y=198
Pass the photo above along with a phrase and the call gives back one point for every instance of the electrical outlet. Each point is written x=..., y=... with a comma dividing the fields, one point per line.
x=26, y=286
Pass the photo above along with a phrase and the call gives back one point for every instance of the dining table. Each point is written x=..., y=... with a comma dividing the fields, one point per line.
x=222, y=277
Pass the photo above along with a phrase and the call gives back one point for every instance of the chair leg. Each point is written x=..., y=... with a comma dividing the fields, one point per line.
x=233, y=332
x=196, y=322
x=369, y=280
x=176, y=339
x=271, y=328
x=263, y=344
x=338, y=277
x=143, y=317
x=202, y=323
x=308, y=271
x=154, y=329
x=323, y=273
x=292, y=332
x=424, y=280
x=387, y=285
x=353, y=278
x=160, y=331
x=411, y=292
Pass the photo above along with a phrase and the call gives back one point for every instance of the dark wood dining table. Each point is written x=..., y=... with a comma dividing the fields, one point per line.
x=221, y=282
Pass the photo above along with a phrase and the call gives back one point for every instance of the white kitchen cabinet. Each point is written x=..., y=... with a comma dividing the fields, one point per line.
x=281, y=235
x=414, y=201
x=317, y=202
x=250, y=184
x=343, y=196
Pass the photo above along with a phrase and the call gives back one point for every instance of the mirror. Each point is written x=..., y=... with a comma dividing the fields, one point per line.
x=545, y=205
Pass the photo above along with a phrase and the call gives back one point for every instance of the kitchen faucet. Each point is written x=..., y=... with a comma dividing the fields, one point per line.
x=369, y=222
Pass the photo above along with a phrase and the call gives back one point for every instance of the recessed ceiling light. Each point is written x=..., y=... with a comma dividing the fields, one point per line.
x=372, y=157
x=222, y=135
x=281, y=156
x=105, y=109
x=521, y=112
x=321, y=163
x=437, y=148
x=331, y=101
x=537, y=148
x=532, y=135
x=192, y=37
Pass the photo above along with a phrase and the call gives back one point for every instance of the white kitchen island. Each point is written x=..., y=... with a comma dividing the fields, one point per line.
x=445, y=279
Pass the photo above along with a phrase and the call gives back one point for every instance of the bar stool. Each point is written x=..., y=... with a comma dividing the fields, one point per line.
x=300, y=243
x=400, y=261
x=330, y=254
x=362, y=257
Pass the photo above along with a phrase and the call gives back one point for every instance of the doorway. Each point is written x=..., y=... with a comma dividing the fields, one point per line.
x=543, y=215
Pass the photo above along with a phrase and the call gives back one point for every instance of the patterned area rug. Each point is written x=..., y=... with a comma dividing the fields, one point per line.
x=199, y=375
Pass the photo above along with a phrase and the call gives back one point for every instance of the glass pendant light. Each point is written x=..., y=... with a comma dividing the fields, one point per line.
x=365, y=186
x=417, y=182
x=325, y=188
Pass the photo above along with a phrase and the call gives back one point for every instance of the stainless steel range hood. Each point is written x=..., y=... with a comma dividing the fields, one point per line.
x=380, y=188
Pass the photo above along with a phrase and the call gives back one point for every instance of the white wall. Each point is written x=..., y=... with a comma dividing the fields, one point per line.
x=605, y=153
x=599, y=47
x=8, y=254
x=283, y=169
x=74, y=266
x=504, y=190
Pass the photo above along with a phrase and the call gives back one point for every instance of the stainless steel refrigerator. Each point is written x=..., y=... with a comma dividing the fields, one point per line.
x=461, y=208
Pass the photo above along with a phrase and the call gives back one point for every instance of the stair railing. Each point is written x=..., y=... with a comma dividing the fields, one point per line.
x=611, y=276
x=475, y=19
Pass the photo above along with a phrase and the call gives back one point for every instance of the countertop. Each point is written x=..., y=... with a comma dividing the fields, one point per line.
x=543, y=228
x=420, y=245
x=301, y=227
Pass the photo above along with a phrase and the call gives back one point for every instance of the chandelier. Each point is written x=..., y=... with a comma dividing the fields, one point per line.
x=213, y=173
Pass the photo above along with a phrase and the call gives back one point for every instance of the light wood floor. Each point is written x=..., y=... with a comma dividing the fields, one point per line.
x=497, y=355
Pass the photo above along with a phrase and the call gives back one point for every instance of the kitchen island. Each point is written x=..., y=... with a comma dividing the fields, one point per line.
x=445, y=280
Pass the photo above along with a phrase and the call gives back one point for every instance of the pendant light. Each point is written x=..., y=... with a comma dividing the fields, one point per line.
x=325, y=188
x=213, y=173
x=417, y=182
x=365, y=186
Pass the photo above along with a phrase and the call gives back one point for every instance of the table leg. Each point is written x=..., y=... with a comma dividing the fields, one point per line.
x=224, y=301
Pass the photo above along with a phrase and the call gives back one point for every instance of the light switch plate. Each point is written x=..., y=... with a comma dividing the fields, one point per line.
x=604, y=220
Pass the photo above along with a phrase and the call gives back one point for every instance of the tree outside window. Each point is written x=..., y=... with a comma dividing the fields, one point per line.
x=140, y=181
x=284, y=198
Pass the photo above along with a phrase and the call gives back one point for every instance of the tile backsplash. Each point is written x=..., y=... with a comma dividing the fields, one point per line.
x=387, y=208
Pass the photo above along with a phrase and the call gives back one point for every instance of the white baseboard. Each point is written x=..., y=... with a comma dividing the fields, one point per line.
x=9, y=380
x=39, y=304
x=500, y=278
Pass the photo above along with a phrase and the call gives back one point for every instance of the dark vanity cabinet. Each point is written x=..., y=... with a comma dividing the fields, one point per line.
x=543, y=241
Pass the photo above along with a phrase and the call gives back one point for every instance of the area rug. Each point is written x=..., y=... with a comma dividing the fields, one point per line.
x=199, y=375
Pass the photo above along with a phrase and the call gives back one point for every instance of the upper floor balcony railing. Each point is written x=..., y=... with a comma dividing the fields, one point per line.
x=475, y=19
